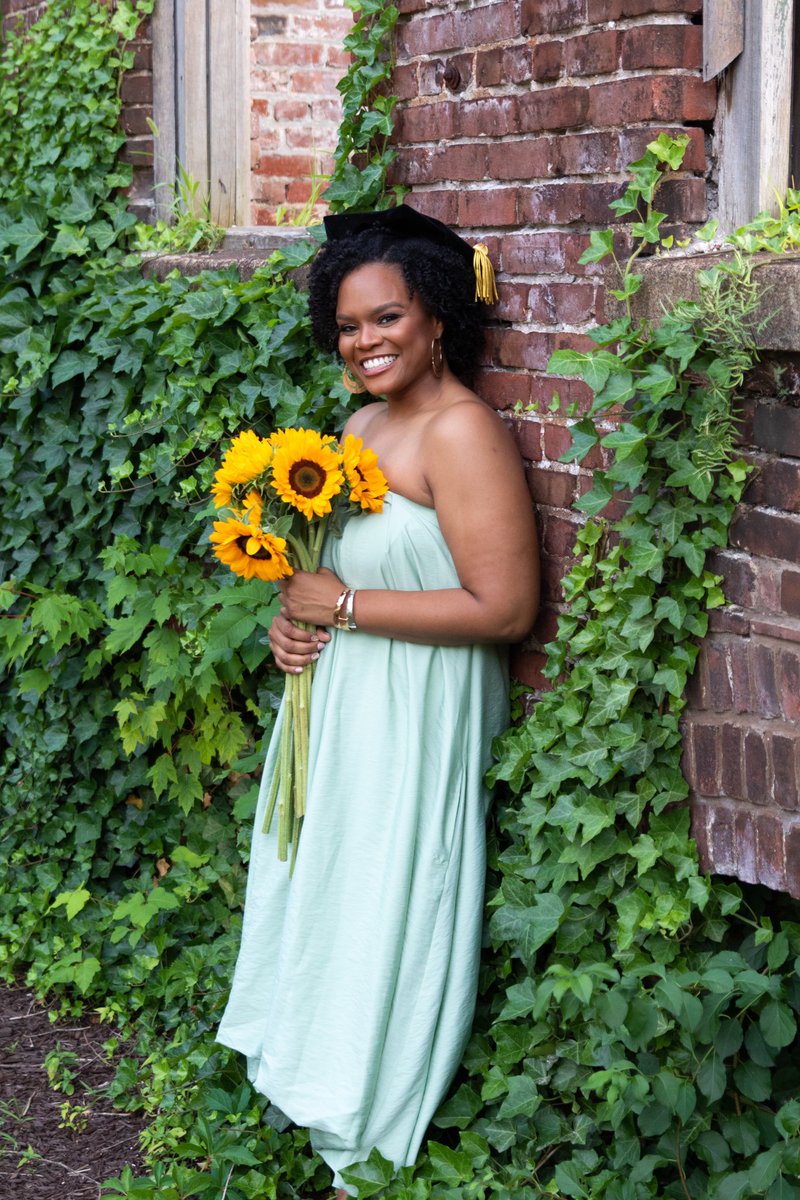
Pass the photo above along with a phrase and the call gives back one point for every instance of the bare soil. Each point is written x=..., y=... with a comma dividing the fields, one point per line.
x=41, y=1157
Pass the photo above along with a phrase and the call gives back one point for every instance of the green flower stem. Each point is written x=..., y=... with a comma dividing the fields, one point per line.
x=290, y=782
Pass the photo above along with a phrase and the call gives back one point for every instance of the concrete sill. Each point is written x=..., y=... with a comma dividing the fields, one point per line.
x=246, y=248
x=669, y=279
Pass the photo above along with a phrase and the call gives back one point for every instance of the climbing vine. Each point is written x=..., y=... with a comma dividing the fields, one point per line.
x=637, y=1030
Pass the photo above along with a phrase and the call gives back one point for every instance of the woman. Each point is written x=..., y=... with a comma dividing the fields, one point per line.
x=356, y=981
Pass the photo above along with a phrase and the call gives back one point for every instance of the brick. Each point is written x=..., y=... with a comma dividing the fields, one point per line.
x=286, y=54
x=777, y=427
x=770, y=860
x=526, y=666
x=613, y=10
x=534, y=253
x=652, y=98
x=785, y=629
x=552, y=571
x=739, y=666
x=557, y=440
x=716, y=685
x=592, y=54
x=772, y=534
x=429, y=36
x=573, y=303
x=504, y=389
x=551, y=16
x=765, y=690
x=731, y=771
x=528, y=436
x=792, y=859
x=744, y=845
x=547, y=61
x=705, y=759
x=684, y=199
x=426, y=122
x=755, y=767
x=443, y=206
x=552, y=204
x=487, y=118
x=516, y=348
x=530, y=158
x=142, y=56
x=517, y=64
x=653, y=46
x=775, y=482
x=788, y=688
x=556, y=489
x=785, y=751
x=134, y=120
x=559, y=533
x=514, y=303
x=490, y=23
x=417, y=166
x=489, y=67
x=408, y=81
x=720, y=839
x=292, y=110
x=729, y=620
x=700, y=817
x=790, y=592
x=287, y=166
x=591, y=154
x=553, y=108
x=489, y=206
x=738, y=577
x=633, y=143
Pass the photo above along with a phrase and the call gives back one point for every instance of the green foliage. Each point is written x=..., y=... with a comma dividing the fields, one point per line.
x=637, y=1032
x=363, y=153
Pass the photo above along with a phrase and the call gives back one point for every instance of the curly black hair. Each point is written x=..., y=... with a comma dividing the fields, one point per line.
x=441, y=278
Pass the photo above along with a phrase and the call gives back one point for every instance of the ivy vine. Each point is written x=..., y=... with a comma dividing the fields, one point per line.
x=637, y=1031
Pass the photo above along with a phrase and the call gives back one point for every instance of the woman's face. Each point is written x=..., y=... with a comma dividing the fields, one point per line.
x=385, y=335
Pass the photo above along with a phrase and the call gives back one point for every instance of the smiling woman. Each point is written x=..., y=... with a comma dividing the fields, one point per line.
x=356, y=980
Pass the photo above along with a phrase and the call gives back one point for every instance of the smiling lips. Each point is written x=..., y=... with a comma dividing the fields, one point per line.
x=373, y=366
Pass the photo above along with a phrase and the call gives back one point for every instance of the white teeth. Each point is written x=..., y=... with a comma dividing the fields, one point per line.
x=370, y=363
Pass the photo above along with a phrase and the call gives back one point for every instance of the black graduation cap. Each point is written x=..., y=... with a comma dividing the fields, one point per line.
x=405, y=222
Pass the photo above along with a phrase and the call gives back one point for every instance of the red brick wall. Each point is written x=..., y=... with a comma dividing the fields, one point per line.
x=297, y=60
x=137, y=107
x=516, y=124
x=742, y=747
x=16, y=12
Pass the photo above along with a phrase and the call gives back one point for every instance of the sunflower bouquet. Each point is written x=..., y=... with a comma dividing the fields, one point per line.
x=283, y=492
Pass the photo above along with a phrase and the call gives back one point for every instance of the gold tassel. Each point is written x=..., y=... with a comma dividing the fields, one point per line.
x=485, y=288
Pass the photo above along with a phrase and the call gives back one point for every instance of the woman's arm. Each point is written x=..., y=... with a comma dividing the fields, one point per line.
x=476, y=479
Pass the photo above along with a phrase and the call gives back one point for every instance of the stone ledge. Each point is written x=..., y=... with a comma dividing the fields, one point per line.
x=245, y=248
x=669, y=279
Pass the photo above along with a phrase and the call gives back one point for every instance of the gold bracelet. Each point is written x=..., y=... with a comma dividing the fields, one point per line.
x=349, y=616
x=339, y=618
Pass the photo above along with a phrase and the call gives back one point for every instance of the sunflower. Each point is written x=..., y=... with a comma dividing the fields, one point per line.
x=367, y=482
x=248, y=457
x=306, y=471
x=249, y=551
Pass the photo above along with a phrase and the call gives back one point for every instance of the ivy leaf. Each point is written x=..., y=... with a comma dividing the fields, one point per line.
x=370, y=1177
x=778, y=1024
x=527, y=928
x=523, y=1098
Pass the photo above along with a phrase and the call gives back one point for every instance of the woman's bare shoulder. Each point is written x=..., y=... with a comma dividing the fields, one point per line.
x=359, y=422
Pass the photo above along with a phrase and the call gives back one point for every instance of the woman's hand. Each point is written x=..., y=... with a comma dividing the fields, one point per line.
x=311, y=597
x=294, y=648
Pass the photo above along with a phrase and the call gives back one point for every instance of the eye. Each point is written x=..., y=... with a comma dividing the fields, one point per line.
x=346, y=329
x=387, y=318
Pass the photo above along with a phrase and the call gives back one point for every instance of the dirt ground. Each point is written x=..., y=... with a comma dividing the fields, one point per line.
x=41, y=1157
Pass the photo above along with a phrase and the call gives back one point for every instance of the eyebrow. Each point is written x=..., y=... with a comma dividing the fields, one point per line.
x=375, y=311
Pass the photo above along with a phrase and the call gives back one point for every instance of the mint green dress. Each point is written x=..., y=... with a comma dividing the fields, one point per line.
x=355, y=986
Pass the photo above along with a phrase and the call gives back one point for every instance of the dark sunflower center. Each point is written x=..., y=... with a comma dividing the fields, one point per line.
x=307, y=478
x=262, y=551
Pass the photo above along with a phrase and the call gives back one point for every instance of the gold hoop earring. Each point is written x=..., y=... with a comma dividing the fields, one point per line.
x=352, y=384
x=437, y=358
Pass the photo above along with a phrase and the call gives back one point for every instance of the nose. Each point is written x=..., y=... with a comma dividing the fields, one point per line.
x=368, y=335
